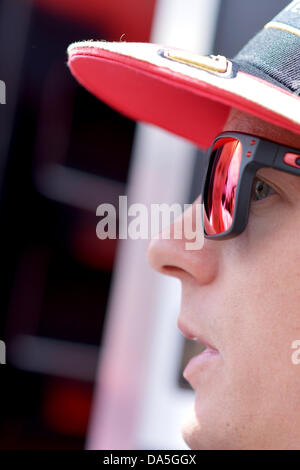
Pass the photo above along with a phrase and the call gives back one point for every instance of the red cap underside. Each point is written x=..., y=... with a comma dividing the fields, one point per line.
x=144, y=92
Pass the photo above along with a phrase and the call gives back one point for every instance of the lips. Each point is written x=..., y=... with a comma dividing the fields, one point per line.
x=190, y=334
x=198, y=367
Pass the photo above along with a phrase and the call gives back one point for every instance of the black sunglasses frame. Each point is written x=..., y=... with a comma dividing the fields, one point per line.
x=256, y=153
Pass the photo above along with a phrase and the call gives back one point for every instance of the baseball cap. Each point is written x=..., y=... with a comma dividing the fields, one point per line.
x=191, y=95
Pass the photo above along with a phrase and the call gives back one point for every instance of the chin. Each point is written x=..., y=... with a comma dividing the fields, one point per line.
x=200, y=435
x=191, y=431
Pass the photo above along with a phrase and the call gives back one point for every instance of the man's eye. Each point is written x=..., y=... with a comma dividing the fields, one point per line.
x=261, y=190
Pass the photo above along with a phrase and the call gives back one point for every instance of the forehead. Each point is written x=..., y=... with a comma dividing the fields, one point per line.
x=243, y=122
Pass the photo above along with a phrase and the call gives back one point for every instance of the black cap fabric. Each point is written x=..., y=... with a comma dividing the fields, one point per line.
x=274, y=53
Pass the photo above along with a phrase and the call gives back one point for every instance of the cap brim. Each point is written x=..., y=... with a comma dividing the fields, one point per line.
x=136, y=80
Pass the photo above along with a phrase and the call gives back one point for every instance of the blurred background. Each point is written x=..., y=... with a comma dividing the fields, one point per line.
x=94, y=359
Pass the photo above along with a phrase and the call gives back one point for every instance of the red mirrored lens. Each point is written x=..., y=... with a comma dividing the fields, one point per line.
x=221, y=185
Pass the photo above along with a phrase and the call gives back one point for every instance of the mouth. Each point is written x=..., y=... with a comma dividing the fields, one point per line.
x=190, y=334
x=202, y=362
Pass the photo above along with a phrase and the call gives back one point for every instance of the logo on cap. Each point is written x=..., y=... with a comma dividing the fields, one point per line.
x=212, y=63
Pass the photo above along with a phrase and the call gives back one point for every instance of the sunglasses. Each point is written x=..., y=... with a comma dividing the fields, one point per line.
x=233, y=162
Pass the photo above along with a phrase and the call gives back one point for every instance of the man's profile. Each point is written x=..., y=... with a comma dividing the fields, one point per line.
x=240, y=291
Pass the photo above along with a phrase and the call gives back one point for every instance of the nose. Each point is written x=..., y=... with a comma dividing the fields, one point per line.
x=171, y=256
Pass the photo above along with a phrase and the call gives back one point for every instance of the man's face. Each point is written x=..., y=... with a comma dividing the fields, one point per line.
x=242, y=297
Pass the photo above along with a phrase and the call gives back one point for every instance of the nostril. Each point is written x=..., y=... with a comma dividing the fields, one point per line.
x=169, y=269
x=173, y=271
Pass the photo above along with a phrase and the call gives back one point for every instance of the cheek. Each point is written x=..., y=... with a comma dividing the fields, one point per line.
x=269, y=265
x=263, y=264
x=261, y=279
